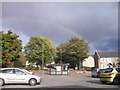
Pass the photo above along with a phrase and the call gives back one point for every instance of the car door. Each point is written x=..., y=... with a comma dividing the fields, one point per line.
x=21, y=77
x=9, y=75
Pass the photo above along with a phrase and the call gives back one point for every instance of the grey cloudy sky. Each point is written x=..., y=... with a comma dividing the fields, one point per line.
x=97, y=22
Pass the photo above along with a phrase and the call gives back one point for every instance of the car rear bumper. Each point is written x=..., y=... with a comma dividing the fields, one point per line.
x=107, y=79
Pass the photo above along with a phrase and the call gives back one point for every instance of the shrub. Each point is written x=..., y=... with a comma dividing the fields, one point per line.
x=81, y=69
x=29, y=68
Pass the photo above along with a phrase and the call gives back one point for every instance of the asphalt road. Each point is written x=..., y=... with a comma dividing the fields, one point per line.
x=66, y=81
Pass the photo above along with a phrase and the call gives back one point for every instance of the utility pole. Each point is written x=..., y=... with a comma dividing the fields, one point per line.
x=43, y=57
x=61, y=56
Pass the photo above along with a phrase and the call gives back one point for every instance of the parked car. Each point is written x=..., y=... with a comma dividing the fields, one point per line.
x=16, y=75
x=96, y=72
x=100, y=71
x=109, y=75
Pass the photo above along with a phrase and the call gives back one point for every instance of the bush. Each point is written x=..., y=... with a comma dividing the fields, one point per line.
x=35, y=68
x=81, y=69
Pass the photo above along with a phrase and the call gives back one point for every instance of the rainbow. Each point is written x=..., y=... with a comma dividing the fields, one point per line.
x=63, y=27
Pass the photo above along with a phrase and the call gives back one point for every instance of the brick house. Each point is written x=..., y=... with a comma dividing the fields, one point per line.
x=106, y=59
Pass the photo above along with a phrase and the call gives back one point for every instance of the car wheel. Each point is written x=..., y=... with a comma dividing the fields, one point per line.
x=1, y=82
x=116, y=81
x=103, y=82
x=32, y=82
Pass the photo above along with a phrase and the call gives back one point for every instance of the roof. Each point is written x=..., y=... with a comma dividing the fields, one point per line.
x=107, y=53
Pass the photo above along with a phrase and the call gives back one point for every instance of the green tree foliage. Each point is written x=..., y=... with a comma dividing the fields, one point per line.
x=40, y=50
x=11, y=47
x=22, y=58
x=74, y=52
x=17, y=64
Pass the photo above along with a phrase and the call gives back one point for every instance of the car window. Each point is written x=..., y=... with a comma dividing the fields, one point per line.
x=118, y=70
x=108, y=70
x=19, y=72
x=10, y=71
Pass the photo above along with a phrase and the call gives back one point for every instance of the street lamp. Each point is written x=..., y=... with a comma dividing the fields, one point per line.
x=61, y=56
x=43, y=50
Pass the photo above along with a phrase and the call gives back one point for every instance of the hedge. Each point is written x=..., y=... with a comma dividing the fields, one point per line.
x=29, y=68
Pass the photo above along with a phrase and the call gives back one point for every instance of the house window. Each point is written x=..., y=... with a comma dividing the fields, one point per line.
x=102, y=66
x=102, y=59
x=109, y=59
x=109, y=65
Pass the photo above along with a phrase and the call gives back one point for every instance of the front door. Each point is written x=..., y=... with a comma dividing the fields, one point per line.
x=20, y=76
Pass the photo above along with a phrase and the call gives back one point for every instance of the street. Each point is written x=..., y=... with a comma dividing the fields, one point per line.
x=66, y=81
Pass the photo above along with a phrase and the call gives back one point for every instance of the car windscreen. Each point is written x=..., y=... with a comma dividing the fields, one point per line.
x=108, y=70
x=26, y=71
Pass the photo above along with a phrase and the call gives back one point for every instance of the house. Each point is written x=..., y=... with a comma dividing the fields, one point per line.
x=88, y=63
x=106, y=59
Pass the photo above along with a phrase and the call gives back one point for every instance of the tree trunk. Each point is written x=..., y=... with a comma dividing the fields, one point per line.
x=79, y=65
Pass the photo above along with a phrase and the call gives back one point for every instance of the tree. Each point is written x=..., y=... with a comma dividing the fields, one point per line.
x=40, y=50
x=74, y=52
x=11, y=46
x=62, y=53
x=22, y=58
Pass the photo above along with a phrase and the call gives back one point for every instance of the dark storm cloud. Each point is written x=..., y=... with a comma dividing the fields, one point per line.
x=96, y=22
x=110, y=44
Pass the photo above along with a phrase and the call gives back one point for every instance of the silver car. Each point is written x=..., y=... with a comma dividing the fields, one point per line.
x=16, y=75
x=95, y=72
